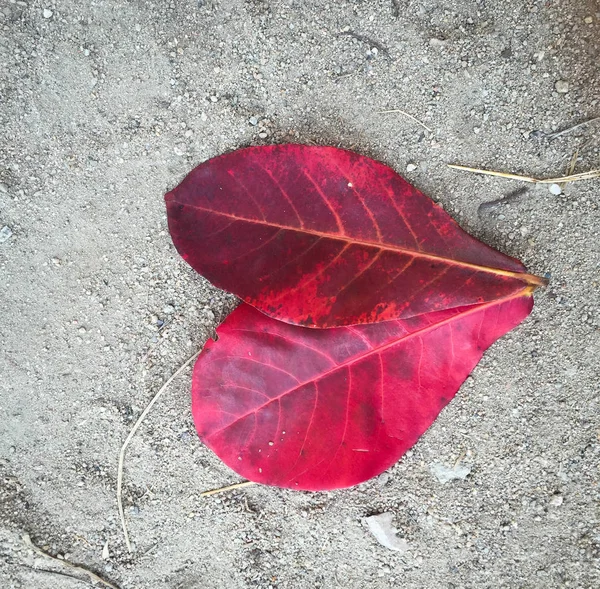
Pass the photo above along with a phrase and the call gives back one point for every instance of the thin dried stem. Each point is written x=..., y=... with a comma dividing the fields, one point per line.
x=228, y=488
x=557, y=134
x=129, y=438
x=65, y=563
x=571, y=178
x=382, y=112
x=571, y=166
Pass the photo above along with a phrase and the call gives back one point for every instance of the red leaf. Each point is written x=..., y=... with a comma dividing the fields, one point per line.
x=324, y=409
x=323, y=237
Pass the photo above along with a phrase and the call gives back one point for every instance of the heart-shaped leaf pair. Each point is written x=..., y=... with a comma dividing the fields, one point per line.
x=326, y=238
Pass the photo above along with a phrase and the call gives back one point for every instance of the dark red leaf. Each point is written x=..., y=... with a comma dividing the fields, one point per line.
x=323, y=237
x=324, y=409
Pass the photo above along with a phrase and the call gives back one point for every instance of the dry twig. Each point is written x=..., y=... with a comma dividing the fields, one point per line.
x=65, y=563
x=484, y=207
x=571, y=178
x=557, y=134
x=383, y=112
x=228, y=488
x=130, y=436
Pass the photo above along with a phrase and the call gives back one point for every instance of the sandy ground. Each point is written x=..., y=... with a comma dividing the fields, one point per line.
x=105, y=105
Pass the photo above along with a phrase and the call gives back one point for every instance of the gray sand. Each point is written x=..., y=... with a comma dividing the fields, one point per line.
x=105, y=105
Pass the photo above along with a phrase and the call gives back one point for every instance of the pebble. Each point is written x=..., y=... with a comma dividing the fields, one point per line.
x=253, y=121
x=444, y=474
x=555, y=189
x=383, y=478
x=588, y=20
x=169, y=309
x=437, y=42
x=411, y=167
x=3, y=187
x=47, y=13
x=382, y=528
x=561, y=86
x=5, y=233
x=556, y=501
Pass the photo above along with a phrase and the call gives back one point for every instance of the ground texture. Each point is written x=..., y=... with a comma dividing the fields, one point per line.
x=105, y=105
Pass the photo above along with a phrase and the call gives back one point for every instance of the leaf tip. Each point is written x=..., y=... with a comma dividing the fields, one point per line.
x=534, y=282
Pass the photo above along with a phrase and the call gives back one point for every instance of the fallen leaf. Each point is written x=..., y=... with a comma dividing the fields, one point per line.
x=323, y=237
x=385, y=533
x=324, y=409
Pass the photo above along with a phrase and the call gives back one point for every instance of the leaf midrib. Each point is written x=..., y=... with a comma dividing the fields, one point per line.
x=526, y=291
x=525, y=277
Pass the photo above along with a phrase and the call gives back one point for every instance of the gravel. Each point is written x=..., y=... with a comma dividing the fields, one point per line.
x=5, y=234
x=87, y=150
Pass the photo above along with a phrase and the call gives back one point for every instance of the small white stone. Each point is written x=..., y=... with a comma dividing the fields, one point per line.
x=47, y=13
x=555, y=189
x=588, y=20
x=411, y=167
x=556, y=501
x=5, y=233
x=437, y=42
x=381, y=526
x=445, y=474
x=561, y=86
